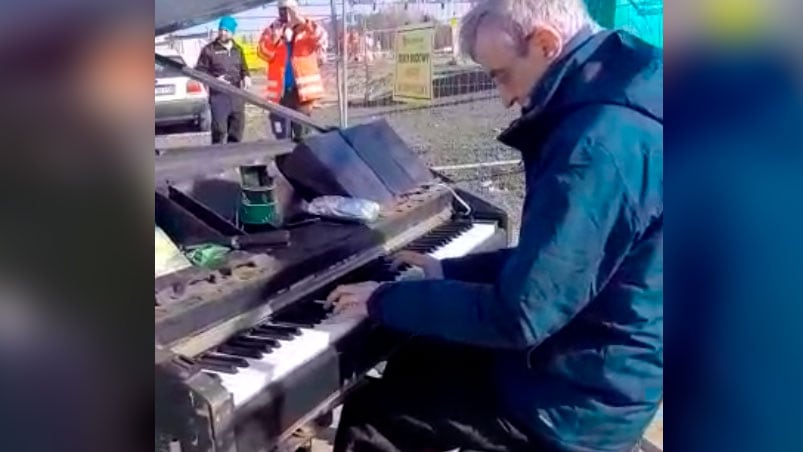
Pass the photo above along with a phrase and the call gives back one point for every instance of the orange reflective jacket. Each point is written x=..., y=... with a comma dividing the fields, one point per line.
x=309, y=42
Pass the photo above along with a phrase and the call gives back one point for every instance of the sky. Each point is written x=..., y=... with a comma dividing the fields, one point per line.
x=259, y=18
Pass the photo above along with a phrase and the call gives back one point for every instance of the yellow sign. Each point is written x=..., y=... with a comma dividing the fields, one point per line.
x=412, y=81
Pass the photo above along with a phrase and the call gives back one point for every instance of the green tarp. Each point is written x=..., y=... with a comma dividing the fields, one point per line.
x=643, y=18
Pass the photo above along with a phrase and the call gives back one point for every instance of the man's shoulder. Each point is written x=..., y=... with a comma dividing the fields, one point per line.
x=616, y=128
x=605, y=121
x=209, y=46
x=618, y=142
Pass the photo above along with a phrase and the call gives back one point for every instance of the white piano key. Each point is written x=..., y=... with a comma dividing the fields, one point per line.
x=461, y=245
x=293, y=353
x=243, y=385
x=466, y=242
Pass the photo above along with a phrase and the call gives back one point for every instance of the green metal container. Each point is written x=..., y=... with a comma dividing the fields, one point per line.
x=258, y=207
x=259, y=214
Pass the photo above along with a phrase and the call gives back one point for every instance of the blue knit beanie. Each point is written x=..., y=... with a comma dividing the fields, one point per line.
x=228, y=23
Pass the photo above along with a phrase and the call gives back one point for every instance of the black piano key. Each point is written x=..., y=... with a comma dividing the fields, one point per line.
x=225, y=359
x=421, y=244
x=243, y=352
x=306, y=320
x=295, y=324
x=256, y=332
x=281, y=327
x=218, y=367
x=430, y=246
x=442, y=234
x=263, y=344
x=213, y=361
x=313, y=309
x=320, y=313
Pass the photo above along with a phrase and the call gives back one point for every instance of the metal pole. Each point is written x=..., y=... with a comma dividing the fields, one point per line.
x=366, y=89
x=344, y=120
x=476, y=165
x=338, y=65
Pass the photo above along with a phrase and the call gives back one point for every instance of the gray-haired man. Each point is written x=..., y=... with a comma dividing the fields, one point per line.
x=556, y=344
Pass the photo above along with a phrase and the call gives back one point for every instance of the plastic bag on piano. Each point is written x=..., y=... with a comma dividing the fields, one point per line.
x=344, y=208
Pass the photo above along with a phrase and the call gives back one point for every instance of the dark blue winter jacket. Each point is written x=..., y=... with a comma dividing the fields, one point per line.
x=575, y=311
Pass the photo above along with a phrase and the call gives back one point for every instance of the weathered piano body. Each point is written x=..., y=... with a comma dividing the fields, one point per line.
x=296, y=360
x=244, y=354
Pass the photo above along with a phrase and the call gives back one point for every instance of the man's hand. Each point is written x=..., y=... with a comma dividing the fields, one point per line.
x=432, y=267
x=223, y=78
x=277, y=33
x=294, y=17
x=353, y=297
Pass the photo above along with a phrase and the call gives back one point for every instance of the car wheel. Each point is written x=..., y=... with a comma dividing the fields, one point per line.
x=205, y=121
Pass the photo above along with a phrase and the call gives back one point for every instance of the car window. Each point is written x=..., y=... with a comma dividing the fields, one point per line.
x=162, y=71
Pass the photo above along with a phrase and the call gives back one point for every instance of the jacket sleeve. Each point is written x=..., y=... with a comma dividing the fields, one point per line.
x=266, y=48
x=479, y=268
x=204, y=63
x=577, y=226
x=244, y=70
x=315, y=37
x=322, y=41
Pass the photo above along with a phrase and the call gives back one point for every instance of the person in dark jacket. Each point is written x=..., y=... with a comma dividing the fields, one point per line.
x=223, y=58
x=555, y=344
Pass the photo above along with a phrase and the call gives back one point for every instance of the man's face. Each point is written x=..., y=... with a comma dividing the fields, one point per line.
x=284, y=14
x=224, y=35
x=515, y=69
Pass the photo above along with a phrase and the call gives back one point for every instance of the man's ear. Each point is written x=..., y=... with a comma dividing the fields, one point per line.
x=547, y=41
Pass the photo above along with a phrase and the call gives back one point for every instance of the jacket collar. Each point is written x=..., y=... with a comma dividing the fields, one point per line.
x=546, y=87
x=576, y=52
x=220, y=45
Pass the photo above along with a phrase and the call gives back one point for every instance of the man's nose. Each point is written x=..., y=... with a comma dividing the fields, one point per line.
x=507, y=99
x=503, y=95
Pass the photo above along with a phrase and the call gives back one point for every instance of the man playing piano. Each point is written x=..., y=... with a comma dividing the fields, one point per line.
x=555, y=344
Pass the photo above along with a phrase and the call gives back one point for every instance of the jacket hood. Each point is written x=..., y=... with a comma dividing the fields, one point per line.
x=608, y=68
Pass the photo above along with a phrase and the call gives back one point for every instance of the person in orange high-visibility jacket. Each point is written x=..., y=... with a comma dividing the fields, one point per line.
x=292, y=46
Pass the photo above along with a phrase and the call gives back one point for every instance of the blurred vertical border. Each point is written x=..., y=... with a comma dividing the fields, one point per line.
x=75, y=267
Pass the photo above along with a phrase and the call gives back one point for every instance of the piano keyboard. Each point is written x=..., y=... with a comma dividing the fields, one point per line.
x=248, y=363
x=441, y=245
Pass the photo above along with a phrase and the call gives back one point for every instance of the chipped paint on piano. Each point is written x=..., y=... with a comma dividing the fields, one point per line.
x=247, y=352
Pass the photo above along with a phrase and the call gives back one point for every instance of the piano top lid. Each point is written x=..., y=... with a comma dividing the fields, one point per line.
x=174, y=15
x=193, y=300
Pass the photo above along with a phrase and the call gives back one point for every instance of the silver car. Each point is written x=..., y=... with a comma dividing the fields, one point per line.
x=180, y=99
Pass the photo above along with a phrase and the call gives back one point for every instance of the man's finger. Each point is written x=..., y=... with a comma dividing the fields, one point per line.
x=337, y=293
x=406, y=257
x=344, y=303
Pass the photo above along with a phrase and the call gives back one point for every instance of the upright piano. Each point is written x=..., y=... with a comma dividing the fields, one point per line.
x=246, y=353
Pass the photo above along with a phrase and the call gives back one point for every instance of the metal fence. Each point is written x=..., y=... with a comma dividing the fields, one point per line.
x=369, y=31
x=359, y=74
x=369, y=35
